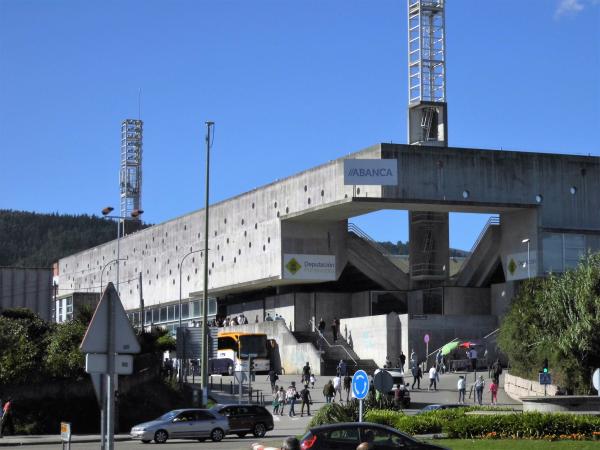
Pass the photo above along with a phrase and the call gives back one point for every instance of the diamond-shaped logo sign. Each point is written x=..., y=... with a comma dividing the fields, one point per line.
x=293, y=266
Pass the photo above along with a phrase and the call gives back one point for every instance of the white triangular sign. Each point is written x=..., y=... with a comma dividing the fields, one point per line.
x=96, y=336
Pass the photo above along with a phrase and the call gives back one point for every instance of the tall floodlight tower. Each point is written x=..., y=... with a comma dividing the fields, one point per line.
x=428, y=126
x=131, y=166
x=427, y=118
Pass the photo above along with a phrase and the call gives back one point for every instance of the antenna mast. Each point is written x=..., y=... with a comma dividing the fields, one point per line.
x=131, y=166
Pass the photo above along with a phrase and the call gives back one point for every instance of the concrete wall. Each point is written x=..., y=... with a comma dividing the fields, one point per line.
x=374, y=337
x=27, y=288
x=517, y=387
x=459, y=300
x=292, y=356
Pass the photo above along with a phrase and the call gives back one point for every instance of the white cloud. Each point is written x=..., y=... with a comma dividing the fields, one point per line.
x=572, y=7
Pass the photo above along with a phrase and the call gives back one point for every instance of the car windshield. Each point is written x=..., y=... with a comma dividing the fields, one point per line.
x=168, y=416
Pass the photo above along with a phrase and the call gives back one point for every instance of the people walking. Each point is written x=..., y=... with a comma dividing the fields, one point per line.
x=347, y=386
x=413, y=358
x=402, y=359
x=432, y=378
x=334, y=329
x=494, y=392
x=417, y=375
x=461, y=385
x=275, y=402
x=321, y=325
x=342, y=369
x=328, y=391
x=291, y=397
x=496, y=371
x=306, y=400
x=281, y=394
x=312, y=380
x=273, y=377
x=337, y=386
x=306, y=373
x=479, y=385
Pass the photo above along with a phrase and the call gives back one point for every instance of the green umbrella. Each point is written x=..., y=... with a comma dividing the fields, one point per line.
x=449, y=347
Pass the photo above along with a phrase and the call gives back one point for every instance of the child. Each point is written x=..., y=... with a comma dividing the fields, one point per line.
x=494, y=392
x=312, y=381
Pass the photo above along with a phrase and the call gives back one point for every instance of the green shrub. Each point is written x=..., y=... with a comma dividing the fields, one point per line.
x=383, y=416
x=335, y=412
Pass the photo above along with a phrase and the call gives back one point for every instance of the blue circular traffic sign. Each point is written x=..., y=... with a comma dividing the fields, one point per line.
x=360, y=384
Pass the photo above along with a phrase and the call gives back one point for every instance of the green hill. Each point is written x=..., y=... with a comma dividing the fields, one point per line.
x=37, y=240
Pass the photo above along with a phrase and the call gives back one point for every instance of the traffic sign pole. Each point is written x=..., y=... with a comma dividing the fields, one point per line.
x=110, y=385
x=360, y=389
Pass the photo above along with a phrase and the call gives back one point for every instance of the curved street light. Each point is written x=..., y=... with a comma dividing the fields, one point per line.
x=181, y=362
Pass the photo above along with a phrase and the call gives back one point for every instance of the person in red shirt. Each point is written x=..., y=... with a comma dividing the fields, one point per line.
x=7, y=423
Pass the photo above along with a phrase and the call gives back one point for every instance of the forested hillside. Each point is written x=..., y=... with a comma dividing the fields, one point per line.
x=37, y=240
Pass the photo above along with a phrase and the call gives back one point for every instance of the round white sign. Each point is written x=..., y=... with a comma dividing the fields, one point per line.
x=596, y=380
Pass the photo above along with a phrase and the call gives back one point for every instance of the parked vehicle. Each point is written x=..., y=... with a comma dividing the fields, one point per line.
x=347, y=436
x=197, y=424
x=398, y=379
x=244, y=419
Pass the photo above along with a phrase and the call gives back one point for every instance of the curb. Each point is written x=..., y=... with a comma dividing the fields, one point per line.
x=55, y=440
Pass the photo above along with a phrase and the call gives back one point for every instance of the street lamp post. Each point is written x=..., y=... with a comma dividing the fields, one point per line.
x=527, y=241
x=110, y=378
x=204, y=362
x=180, y=295
x=105, y=266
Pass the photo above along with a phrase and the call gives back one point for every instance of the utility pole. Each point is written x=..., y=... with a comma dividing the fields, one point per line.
x=204, y=362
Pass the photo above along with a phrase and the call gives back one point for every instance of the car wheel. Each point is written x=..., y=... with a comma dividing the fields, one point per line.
x=259, y=430
x=145, y=441
x=217, y=435
x=161, y=436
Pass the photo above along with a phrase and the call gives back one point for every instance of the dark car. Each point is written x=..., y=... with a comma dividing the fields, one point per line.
x=347, y=436
x=244, y=419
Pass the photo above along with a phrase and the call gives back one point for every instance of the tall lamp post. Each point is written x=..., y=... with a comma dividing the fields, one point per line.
x=527, y=241
x=108, y=423
x=180, y=295
x=204, y=362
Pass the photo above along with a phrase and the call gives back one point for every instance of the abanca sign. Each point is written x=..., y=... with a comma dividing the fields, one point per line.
x=383, y=172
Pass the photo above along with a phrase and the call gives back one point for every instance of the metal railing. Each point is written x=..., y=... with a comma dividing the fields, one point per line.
x=491, y=222
x=353, y=228
x=330, y=345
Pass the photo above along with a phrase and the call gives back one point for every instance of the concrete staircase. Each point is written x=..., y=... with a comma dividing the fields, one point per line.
x=332, y=353
x=368, y=257
x=484, y=257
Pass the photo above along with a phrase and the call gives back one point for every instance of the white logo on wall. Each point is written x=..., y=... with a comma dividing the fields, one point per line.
x=383, y=172
x=308, y=267
x=516, y=266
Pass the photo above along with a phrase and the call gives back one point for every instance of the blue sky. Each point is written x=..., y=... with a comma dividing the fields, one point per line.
x=289, y=83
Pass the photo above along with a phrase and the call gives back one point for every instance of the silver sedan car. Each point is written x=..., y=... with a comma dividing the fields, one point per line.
x=197, y=424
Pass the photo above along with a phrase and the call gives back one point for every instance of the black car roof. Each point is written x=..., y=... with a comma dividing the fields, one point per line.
x=333, y=426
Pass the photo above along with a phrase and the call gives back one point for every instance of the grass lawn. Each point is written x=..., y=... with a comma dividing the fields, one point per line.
x=514, y=444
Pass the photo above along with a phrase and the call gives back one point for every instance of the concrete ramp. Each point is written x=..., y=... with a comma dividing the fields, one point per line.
x=484, y=257
x=368, y=259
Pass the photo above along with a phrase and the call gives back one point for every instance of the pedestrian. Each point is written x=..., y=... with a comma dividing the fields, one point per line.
x=479, y=385
x=328, y=391
x=350, y=341
x=494, y=392
x=439, y=359
x=305, y=373
x=306, y=400
x=337, y=386
x=474, y=359
x=417, y=375
x=281, y=394
x=432, y=378
x=461, y=385
x=399, y=394
x=321, y=326
x=290, y=397
x=342, y=369
x=6, y=423
x=334, y=329
x=276, y=401
x=256, y=319
x=347, y=386
x=268, y=318
x=402, y=359
x=273, y=377
x=413, y=358
x=486, y=357
x=497, y=371
x=312, y=380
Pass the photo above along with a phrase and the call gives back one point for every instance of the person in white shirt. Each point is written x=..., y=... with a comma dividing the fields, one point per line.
x=337, y=386
x=461, y=385
x=432, y=378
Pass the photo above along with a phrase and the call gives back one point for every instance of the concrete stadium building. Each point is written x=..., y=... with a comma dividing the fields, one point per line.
x=288, y=248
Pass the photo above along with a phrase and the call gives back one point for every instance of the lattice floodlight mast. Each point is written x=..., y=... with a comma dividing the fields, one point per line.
x=427, y=118
x=131, y=166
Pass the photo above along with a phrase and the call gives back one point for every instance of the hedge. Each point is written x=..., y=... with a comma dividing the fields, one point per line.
x=457, y=424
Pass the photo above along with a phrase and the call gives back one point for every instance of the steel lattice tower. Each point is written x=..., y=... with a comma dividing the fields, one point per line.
x=427, y=119
x=131, y=166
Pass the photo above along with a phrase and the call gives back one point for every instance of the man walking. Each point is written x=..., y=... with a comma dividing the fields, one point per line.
x=432, y=378
x=479, y=385
x=306, y=373
x=402, y=359
x=291, y=397
x=306, y=400
x=461, y=385
x=417, y=375
x=337, y=386
x=347, y=386
x=334, y=329
x=272, y=379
